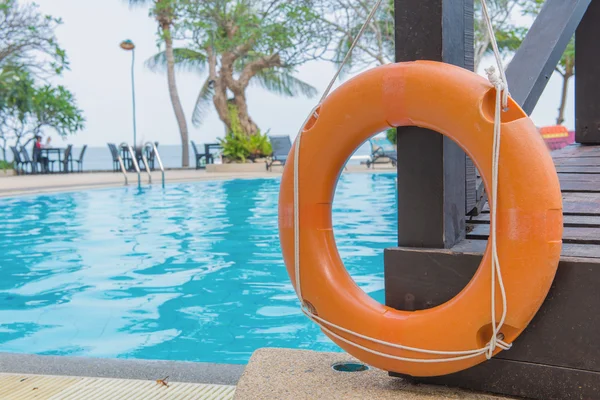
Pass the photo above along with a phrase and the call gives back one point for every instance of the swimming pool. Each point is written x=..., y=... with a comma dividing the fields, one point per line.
x=191, y=273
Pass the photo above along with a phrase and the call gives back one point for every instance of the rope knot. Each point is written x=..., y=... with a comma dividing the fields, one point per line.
x=498, y=81
x=494, y=78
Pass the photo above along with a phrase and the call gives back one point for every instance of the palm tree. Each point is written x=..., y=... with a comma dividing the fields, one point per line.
x=279, y=80
x=164, y=12
x=566, y=69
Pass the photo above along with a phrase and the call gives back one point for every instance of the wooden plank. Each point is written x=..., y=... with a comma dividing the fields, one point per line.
x=574, y=169
x=576, y=203
x=581, y=235
x=425, y=278
x=587, y=84
x=534, y=62
x=580, y=186
x=578, y=161
x=565, y=176
x=590, y=221
x=576, y=150
x=470, y=186
x=581, y=203
x=568, y=250
x=431, y=167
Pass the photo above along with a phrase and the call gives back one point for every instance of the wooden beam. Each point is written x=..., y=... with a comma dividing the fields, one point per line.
x=587, y=82
x=534, y=62
x=431, y=167
x=570, y=371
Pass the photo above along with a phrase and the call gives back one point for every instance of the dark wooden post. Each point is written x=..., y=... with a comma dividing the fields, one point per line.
x=555, y=357
x=587, y=81
x=431, y=168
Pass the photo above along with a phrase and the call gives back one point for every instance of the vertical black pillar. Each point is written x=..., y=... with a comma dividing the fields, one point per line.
x=431, y=168
x=587, y=77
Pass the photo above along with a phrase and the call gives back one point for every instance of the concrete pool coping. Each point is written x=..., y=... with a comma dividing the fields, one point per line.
x=287, y=374
x=18, y=185
x=177, y=371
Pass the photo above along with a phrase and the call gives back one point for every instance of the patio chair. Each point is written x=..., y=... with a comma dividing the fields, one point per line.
x=27, y=160
x=281, y=146
x=67, y=161
x=197, y=155
x=115, y=156
x=79, y=161
x=382, y=148
x=20, y=164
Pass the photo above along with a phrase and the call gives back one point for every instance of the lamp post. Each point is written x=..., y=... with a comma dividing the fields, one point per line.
x=129, y=46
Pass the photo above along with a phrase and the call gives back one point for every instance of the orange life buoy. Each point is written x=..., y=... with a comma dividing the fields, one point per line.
x=460, y=105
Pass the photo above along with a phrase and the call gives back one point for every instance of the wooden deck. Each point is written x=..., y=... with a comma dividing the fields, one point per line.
x=578, y=170
x=44, y=387
x=557, y=356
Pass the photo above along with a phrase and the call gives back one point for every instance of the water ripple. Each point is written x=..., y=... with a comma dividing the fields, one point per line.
x=193, y=272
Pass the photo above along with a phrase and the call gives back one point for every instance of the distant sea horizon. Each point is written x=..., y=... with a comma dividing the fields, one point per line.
x=98, y=158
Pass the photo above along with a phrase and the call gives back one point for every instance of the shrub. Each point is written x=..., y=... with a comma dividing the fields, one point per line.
x=392, y=135
x=4, y=165
x=237, y=146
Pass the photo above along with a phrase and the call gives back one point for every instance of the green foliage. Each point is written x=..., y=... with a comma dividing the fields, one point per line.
x=56, y=108
x=238, y=42
x=27, y=109
x=259, y=28
x=29, y=56
x=259, y=145
x=566, y=65
x=237, y=146
x=27, y=38
x=4, y=165
x=377, y=42
x=392, y=135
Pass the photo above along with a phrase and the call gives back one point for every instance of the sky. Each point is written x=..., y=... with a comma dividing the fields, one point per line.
x=100, y=78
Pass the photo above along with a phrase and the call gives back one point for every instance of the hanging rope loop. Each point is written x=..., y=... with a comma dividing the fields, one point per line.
x=498, y=79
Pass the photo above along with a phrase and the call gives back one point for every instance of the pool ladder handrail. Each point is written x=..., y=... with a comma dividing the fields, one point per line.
x=123, y=170
x=160, y=164
x=134, y=161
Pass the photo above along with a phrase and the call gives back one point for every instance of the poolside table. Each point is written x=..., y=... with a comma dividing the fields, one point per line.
x=58, y=151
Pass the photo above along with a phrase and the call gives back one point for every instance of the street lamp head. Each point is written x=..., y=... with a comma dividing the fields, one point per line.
x=127, y=45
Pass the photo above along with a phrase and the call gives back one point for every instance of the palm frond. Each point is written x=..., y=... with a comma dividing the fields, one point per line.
x=282, y=82
x=203, y=102
x=185, y=60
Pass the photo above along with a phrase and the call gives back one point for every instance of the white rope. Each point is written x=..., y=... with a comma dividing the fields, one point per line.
x=499, y=82
x=297, y=148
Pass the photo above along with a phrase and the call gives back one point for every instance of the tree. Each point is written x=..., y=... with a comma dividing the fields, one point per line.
x=377, y=44
x=346, y=17
x=16, y=93
x=27, y=110
x=166, y=12
x=239, y=42
x=566, y=69
x=27, y=39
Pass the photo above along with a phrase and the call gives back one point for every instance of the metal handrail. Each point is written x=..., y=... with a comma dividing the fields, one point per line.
x=146, y=166
x=122, y=164
x=134, y=161
x=160, y=164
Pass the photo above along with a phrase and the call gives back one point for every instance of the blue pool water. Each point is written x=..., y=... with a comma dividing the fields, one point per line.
x=192, y=272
